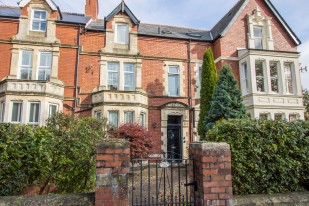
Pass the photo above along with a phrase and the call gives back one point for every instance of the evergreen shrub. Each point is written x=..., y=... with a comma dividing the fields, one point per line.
x=267, y=156
x=60, y=154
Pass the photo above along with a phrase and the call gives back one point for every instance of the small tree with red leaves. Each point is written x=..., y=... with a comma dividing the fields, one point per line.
x=138, y=137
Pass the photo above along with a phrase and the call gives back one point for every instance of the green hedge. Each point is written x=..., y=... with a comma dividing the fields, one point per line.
x=267, y=156
x=62, y=153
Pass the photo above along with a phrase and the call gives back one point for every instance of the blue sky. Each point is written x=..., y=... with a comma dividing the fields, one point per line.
x=201, y=14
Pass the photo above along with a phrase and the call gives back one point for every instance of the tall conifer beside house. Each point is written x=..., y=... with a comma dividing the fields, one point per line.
x=208, y=83
x=226, y=102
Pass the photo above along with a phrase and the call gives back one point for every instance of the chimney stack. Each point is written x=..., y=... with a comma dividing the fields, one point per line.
x=92, y=8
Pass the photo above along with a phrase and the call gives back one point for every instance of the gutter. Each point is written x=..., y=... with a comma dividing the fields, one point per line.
x=191, y=111
x=76, y=70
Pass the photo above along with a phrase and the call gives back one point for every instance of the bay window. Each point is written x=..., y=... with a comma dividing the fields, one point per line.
x=45, y=64
x=288, y=78
x=173, y=81
x=274, y=76
x=34, y=113
x=113, y=118
x=39, y=20
x=25, y=70
x=16, y=112
x=122, y=33
x=128, y=117
x=113, y=75
x=259, y=72
x=129, y=77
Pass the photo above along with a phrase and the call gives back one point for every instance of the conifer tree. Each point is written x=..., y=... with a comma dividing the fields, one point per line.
x=227, y=101
x=209, y=80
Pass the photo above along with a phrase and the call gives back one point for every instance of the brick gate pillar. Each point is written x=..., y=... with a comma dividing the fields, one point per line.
x=212, y=172
x=112, y=168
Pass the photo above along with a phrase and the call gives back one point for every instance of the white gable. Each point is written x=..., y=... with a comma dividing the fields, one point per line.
x=52, y=5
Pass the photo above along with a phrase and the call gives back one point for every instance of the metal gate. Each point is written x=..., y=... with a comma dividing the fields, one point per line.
x=162, y=181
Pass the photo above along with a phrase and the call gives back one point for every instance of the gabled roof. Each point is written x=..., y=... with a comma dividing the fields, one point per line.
x=52, y=5
x=122, y=7
x=222, y=27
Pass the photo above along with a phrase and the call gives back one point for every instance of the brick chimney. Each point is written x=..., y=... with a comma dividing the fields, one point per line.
x=92, y=8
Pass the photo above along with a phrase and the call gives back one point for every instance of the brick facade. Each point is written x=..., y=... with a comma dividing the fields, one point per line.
x=152, y=53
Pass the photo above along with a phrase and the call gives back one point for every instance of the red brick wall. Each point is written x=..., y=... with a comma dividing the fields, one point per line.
x=67, y=34
x=213, y=173
x=8, y=28
x=112, y=168
x=92, y=41
x=5, y=63
x=154, y=119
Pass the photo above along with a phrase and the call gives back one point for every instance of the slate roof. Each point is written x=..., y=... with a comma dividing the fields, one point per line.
x=173, y=32
x=96, y=25
x=12, y=12
x=220, y=27
x=74, y=18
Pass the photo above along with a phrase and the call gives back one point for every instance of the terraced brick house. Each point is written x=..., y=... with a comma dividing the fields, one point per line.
x=128, y=71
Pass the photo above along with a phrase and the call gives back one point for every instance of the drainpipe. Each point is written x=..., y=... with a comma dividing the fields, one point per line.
x=190, y=94
x=76, y=69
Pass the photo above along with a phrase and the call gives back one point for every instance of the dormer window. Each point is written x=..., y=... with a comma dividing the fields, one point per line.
x=258, y=37
x=122, y=33
x=39, y=22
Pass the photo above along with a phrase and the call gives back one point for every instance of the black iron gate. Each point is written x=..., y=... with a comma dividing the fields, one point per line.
x=162, y=181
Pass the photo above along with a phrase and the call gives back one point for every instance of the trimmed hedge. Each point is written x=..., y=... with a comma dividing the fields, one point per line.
x=267, y=156
x=62, y=154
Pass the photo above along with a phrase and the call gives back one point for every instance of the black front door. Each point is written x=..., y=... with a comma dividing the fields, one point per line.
x=174, y=139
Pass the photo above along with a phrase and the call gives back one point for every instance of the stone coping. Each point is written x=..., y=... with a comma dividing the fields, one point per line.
x=210, y=146
x=283, y=199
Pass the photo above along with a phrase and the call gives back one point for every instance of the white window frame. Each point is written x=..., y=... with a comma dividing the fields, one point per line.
x=19, y=115
x=127, y=37
x=49, y=110
x=174, y=74
x=38, y=20
x=112, y=71
x=44, y=68
x=263, y=113
x=2, y=110
x=98, y=114
x=133, y=86
x=125, y=117
x=29, y=113
x=261, y=39
x=29, y=67
x=115, y=112
x=296, y=117
x=262, y=77
x=143, y=119
x=245, y=77
x=289, y=80
x=274, y=78
x=279, y=114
